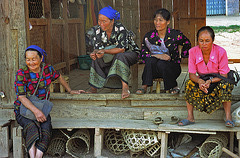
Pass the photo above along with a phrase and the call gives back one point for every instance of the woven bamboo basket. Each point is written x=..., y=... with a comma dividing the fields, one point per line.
x=212, y=147
x=139, y=140
x=79, y=143
x=57, y=145
x=114, y=142
x=153, y=150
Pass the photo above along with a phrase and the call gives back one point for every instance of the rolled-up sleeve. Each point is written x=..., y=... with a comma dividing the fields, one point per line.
x=20, y=83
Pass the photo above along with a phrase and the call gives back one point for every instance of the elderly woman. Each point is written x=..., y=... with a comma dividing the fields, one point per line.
x=114, y=52
x=207, y=94
x=160, y=53
x=36, y=132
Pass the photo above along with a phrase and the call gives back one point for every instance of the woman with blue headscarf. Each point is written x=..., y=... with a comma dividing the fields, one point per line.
x=37, y=132
x=114, y=52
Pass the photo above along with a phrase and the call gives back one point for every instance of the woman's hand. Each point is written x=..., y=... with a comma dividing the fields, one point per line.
x=100, y=53
x=162, y=56
x=93, y=54
x=204, y=85
x=40, y=116
x=76, y=91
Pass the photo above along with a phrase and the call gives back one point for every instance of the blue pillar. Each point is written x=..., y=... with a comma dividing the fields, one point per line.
x=232, y=7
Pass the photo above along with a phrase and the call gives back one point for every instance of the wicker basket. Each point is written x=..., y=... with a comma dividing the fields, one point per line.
x=139, y=140
x=57, y=145
x=212, y=147
x=153, y=150
x=114, y=142
x=78, y=144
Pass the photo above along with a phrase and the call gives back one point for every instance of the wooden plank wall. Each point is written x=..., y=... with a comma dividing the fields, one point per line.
x=147, y=10
x=60, y=31
x=189, y=16
x=12, y=45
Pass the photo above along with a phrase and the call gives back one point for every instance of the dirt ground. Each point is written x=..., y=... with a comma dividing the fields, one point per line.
x=229, y=41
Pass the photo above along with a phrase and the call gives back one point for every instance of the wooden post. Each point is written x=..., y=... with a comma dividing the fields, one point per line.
x=229, y=153
x=98, y=141
x=231, y=141
x=134, y=77
x=4, y=140
x=238, y=137
x=17, y=142
x=164, y=142
x=27, y=21
x=158, y=86
x=66, y=36
x=82, y=47
x=48, y=16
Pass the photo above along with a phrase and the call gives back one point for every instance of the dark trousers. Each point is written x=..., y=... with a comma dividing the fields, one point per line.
x=156, y=68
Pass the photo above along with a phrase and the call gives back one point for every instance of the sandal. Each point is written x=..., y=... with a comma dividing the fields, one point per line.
x=229, y=124
x=175, y=90
x=174, y=120
x=158, y=120
x=141, y=91
x=185, y=122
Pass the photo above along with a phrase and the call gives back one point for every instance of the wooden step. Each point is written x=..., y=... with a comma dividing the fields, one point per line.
x=136, y=107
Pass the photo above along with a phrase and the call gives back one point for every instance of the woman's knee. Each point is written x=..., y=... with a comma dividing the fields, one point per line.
x=150, y=61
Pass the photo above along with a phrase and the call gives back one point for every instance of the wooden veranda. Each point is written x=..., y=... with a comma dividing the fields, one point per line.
x=59, y=29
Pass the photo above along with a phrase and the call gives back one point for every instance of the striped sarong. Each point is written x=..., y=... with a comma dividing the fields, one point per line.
x=110, y=75
x=35, y=132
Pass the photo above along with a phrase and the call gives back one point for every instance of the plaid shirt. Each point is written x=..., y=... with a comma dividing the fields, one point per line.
x=26, y=82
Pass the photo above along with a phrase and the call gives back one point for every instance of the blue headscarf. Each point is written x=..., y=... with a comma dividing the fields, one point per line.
x=40, y=50
x=110, y=13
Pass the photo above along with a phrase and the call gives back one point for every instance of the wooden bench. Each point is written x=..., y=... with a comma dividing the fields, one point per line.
x=4, y=137
x=54, y=83
x=109, y=111
x=99, y=125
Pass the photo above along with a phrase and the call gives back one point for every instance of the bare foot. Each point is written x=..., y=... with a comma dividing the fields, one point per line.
x=92, y=90
x=125, y=93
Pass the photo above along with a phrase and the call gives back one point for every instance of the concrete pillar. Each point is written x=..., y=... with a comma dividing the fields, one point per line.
x=232, y=7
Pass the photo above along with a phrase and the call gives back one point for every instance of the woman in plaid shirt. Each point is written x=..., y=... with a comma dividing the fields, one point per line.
x=37, y=132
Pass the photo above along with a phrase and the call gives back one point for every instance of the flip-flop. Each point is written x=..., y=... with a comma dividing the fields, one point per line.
x=141, y=91
x=174, y=120
x=175, y=90
x=158, y=120
x=185, y=122
x=229, y=124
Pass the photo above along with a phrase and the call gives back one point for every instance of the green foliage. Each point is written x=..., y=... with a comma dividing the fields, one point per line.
x=230, y=29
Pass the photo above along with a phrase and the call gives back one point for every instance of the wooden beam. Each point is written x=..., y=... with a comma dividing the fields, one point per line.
x=81, y=35
x=98, y=141
x=48, y=33
x=66, y=36
x=57, y=22
x=164, y=141
x=73, y=61
x=17, y=142
x=234, y=60
x=59, y=65
x=39, y=22
x=27, y=21
x=4, y=139
x=75, y=21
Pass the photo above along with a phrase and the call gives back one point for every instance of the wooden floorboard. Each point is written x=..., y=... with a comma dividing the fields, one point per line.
x=199, y=127
x=79, y=79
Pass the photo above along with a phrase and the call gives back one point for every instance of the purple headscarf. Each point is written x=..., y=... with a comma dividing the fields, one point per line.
x=40, y=50
x=110, y=13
